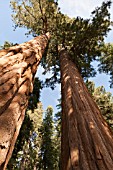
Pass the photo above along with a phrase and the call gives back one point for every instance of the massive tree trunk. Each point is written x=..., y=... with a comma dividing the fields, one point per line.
x=87, y=141
x=18, y=66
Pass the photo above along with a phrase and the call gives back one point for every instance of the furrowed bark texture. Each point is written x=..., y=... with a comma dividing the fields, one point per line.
x=18, y=66
x=87, y=142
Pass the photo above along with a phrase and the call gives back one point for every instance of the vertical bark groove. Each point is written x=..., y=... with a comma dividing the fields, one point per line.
x=18, y=66
x=87, y=141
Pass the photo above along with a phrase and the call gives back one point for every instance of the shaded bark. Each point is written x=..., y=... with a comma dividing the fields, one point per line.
x=18, y=66
x=87, y=141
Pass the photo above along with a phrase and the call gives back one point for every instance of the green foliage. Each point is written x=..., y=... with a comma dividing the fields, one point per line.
x=58, y=133
x=25, y=154
x=82, y=38
x=7, y=44
x=58, y=119
x=38, y=144
x=24, y=150
x=23, y=137
x=48, y=159
x=106, y=61
x=88, y=38
x=38, y=16
x=35, y=95
x=104, y=100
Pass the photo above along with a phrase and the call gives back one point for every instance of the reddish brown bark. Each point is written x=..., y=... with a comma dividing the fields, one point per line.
x=18, y=66
x=87, y=142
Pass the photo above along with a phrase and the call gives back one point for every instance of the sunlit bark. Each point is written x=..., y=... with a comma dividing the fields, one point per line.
x=87, y=142
x=18, y=66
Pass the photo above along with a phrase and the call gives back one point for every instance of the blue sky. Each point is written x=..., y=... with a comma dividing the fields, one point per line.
x=6, y=26
x=72, y=8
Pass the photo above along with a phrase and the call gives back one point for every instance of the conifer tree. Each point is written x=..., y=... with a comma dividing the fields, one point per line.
x=28, y=124
x=27, y=148
x=47, y=154
x=104, y=101
x=18, y=65
x=84, y=40
x=58, y=133
x=87, y=141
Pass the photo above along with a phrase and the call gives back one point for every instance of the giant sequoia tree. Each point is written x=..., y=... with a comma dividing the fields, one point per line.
x=84, y=40
x=18, y=65
x=87, y=142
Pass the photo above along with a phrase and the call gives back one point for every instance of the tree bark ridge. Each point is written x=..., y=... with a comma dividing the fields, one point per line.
x=18, y=66
x=87, y=141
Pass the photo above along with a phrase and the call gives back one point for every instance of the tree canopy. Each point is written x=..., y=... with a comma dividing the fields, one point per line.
x=83, y=38
x=106, y=61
